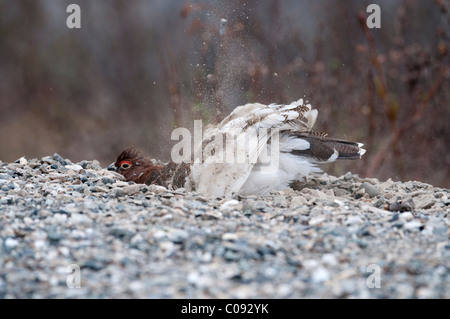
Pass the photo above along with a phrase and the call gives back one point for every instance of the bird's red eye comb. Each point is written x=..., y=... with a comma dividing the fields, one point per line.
x=125, y=164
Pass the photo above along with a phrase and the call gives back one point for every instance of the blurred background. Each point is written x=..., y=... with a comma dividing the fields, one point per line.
x=137, y=69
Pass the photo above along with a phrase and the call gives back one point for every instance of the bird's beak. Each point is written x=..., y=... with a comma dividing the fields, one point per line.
x=112, y=167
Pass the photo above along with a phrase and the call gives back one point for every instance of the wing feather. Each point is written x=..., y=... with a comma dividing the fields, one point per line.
x=245, y=138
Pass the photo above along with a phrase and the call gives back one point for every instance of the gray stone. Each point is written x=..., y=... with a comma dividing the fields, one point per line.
x=354, y=220
x=59, y=159
x=99, y=189
x=121, y=233
x=426, y=203
x=119, y=192
x=413, y=225
x=370, y=189
x=400, y=204
x=185, y=245
x=131, y=189
x=177, y=236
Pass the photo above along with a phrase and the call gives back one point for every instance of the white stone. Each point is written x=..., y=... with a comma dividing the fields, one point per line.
x=132, y=189
x=339, y=202
x=354, y=220
x=406, y=216
x=297, y=201
x=413, y=225
x=329, y=259
x=230, y=236
x=159, y=234
x=11, y=242
x=157, y=189
x=231, y=204
x=74, y=167
x=80, y=219
x=316, y=220
x=320, y=275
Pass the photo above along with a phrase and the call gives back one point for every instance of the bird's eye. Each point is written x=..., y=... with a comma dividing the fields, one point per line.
x=125, y=164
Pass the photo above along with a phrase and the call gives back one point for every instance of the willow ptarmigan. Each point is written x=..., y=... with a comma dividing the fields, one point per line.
x=255, y=149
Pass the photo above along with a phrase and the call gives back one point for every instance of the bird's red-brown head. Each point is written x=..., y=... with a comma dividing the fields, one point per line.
x=134, y=167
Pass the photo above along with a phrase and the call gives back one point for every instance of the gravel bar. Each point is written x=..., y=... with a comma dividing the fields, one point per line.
x=80, y=231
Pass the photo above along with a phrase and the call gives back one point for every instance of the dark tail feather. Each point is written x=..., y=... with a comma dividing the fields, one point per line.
x=323, y=148
x=347, y=150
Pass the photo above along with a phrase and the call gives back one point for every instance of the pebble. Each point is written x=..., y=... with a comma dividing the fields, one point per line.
x=231, y=204
x=99, y=189
x=401, y=204
x=317, y=239
x=23, y=161
x=437, y=227
x=406, y=216
x=354, y=220
x=59, y=159
x=121, y=233
x=317, y=220
x=230, y=237
x=156, y=189
x=11, y=243
x=80, y=219
x=119, y=192
x=426, y=203
x=297, y=201
x=413, y=225
x=131, y=189
x=177, y=236
x=329, y=259
x=369, y=189
x=320, y=275
x=74, y=167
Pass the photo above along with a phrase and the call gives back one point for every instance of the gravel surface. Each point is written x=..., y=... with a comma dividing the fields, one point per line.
x=64, y=225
